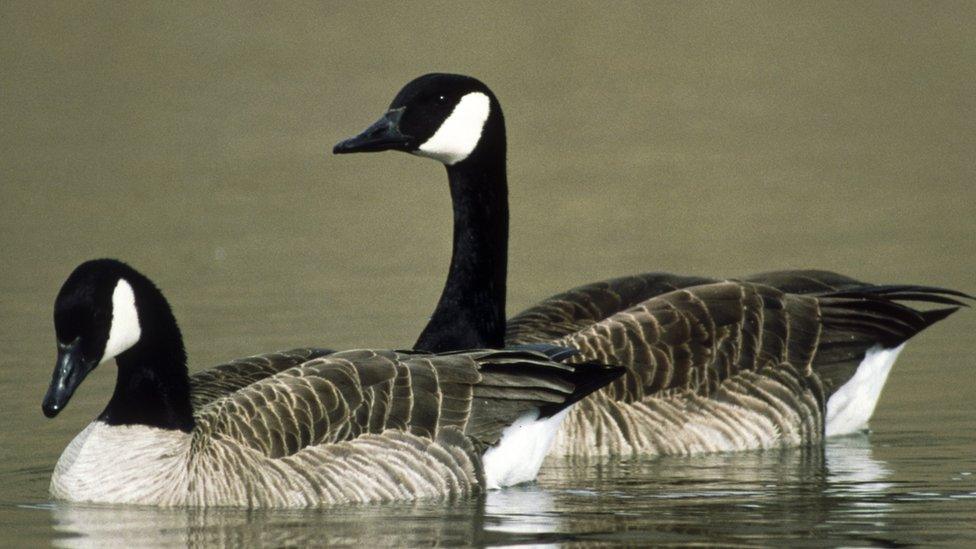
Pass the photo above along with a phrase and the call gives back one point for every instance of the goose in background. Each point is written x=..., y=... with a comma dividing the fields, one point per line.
x=778, y=358
x=301, y=428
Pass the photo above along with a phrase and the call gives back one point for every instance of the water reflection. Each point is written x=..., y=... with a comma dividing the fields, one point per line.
x=733, y=498
x=522, y=510
x=91, y=526
x=728, y=498
x=851, y=469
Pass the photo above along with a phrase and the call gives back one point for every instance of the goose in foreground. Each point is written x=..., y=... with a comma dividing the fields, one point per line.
x=301, y=428
x=776, y=358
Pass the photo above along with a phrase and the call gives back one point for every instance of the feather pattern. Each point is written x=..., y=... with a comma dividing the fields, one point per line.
x=224, y=379
x=724, y=366
x=579, y=307
x=308, y=428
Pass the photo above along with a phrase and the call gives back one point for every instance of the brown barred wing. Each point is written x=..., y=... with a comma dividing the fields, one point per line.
x=348, y=394
x=326, y=399
x=695, y=338
x=571, y=311
x=804, y=281
x=208, y=385
x=585, y=305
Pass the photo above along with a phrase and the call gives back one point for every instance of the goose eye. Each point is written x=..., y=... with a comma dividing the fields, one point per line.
x=441, y=99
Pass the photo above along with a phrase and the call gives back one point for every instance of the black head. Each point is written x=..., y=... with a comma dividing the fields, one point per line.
x=96, y=318
x=449, y=117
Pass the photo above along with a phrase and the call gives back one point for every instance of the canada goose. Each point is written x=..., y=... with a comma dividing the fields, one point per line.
x=777, y=358
x=301, y=428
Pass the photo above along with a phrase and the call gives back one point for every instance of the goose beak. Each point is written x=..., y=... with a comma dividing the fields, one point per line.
x=70, y=370
x=384, y=135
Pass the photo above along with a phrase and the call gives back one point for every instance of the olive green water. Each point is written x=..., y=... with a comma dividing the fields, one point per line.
x=712, y=139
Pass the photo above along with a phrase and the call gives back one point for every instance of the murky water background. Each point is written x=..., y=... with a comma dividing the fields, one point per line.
x=713, y=139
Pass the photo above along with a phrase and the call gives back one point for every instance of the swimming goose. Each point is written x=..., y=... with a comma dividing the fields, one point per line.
x=776, y=358
x=301, y=428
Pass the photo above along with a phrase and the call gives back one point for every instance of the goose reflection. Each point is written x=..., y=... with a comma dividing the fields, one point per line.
x=741, y=498
x=377, y=525
x=851, y=470
x=724, y=498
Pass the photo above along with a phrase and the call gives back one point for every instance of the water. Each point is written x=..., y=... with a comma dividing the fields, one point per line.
x=708, y=139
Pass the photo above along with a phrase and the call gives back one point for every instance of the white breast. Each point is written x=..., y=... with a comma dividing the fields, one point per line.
x=123, y=464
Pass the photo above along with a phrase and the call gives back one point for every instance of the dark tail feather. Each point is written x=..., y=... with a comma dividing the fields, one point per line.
x=587, y=377
x=527, y=373
x=935, y=315
x=928, y=298
x=877, y=311
x=907, y=292
x=857, y=319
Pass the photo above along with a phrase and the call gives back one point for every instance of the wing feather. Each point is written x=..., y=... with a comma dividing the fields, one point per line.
x=345, y=395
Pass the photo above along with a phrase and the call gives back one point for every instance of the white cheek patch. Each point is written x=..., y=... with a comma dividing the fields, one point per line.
x=125, y=329
x=458, y=136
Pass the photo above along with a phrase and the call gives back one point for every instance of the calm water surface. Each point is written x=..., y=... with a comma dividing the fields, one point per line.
x=709, y=139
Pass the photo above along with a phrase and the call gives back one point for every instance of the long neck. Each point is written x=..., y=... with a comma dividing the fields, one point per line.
x=153, y=387
x=471, y=310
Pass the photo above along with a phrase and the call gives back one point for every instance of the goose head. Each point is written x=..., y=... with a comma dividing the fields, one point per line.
x=96, y=319
x=451, y=118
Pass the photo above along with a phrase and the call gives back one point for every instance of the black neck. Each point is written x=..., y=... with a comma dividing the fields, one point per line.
x=471, y=310
x=153, y=387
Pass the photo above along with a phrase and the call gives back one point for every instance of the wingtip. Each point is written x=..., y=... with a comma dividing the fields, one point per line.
x=934, y=315
x=595, y=376
x=588, y=378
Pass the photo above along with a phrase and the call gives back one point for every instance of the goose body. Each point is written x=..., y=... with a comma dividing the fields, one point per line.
x=302, y=428
x=780, y=358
